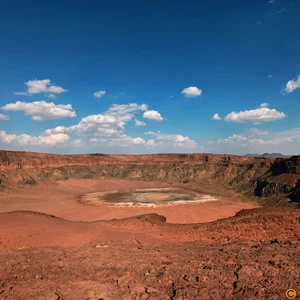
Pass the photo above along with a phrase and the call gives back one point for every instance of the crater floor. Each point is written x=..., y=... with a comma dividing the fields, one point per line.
x=64, y=199
x=147, y=197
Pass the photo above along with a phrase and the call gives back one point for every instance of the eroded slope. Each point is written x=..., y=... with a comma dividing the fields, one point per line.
x=252, y=255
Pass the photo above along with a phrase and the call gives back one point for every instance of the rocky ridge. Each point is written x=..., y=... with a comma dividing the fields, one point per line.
x=257, y=176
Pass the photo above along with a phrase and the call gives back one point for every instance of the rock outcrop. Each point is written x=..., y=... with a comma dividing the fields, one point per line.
x=282, y=178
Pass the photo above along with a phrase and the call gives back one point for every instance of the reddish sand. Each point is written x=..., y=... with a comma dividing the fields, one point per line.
x=254, y=255
x=52, y=248
x=62, y=200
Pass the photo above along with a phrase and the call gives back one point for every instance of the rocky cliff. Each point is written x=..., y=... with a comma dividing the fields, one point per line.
x=260, y=176
x=282, y=178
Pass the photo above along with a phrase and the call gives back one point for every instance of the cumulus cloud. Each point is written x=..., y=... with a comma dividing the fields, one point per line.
x=150, y=143
x=293, y=85
x=262, y=114
x=177, y=140
x=42, y=110
x=58, y=129
x=108, y=128
x=52, y=96
x=216, y=117
x=28, y=140
x=139, y=123
x=264, y=105
x=99, y=94
x=110, y=125
x=105, y=131
x=41, y=86
x=258, y=141
x=138, y=141
x=121, y=140
x=150, y=133
x=191, y=91
x=77, y=143
x=122, y=109
x=152, y=115
x=244, y=141
x=257, y=132
x=249, y=139
x=4, y=117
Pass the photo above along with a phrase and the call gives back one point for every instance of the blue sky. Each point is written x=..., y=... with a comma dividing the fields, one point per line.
x=150, y=77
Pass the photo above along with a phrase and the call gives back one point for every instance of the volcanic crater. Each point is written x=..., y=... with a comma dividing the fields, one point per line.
x=193, y=226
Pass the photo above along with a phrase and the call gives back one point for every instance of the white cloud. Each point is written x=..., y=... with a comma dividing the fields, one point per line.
x=109, y=126
x=138, y=141
x=258, y=141
x=100, y=119
x=151, y=143
x=99, y=94
x=26, y=139
x=41, y=86
x=139, y=123
x=216, y=117
x=247, y=140
x=108, y=129
x=177, y=140
x=234, y=139
x=4, y=117
x=264, y=105
x=77, y=143
x=52, y=96
x=270, y=76
x=152, y=115
x=21, y=93
x=262, y=114
x=105, y=131
x=58, y=129
x=150, y=133
x=191, y=91
x=126, y=108
x=293, y=85
x=253, y=132
x=123, y=140
x=42, y=110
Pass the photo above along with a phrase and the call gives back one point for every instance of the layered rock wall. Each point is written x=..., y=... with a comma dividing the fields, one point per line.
x=263, y=177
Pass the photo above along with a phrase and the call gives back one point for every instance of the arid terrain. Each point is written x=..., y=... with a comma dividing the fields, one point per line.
x=64, y=234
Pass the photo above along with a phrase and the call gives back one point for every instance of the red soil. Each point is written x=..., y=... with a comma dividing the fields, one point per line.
x=60, y=252
x=62, y=199
x=252, y=255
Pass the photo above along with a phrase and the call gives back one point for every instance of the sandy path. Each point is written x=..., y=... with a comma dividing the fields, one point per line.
x=62, y=200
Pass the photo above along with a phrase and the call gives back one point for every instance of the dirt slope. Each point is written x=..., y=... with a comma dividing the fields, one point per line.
x=252, y=255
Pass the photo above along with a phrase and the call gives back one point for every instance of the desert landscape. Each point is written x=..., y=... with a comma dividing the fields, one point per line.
x=165, y=226
x=149, y=150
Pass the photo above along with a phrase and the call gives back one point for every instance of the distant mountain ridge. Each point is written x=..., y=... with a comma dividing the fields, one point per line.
x=271, y=155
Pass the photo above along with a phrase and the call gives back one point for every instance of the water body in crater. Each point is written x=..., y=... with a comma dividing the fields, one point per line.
x=152, y=197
